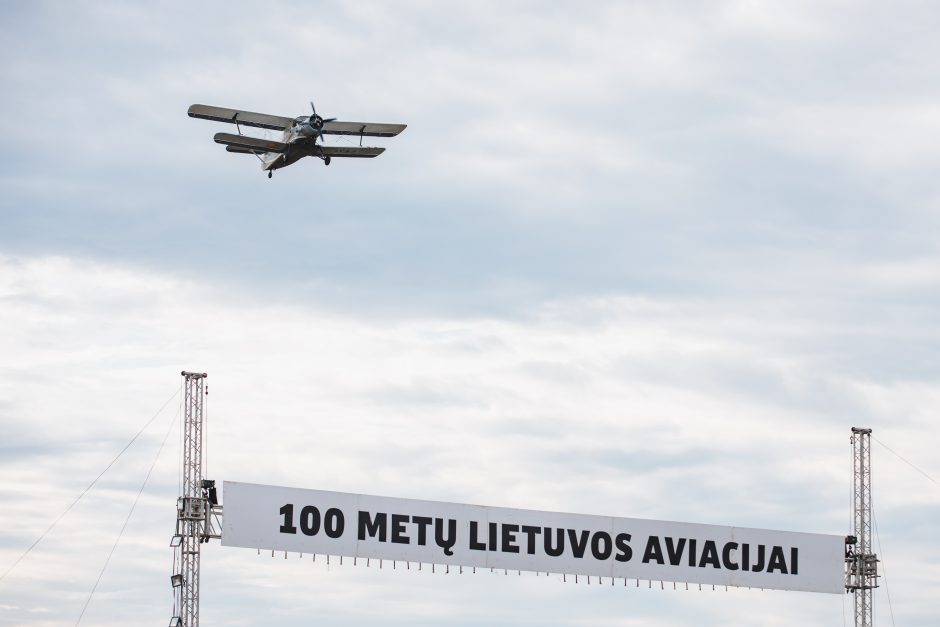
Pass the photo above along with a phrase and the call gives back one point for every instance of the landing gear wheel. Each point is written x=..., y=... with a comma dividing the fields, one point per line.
x=270, y=173
x=326, y=161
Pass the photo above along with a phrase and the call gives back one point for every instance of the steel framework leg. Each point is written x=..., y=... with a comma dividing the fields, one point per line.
x=861, y=562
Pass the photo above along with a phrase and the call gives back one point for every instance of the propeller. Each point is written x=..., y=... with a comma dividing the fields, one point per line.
x=315, y=122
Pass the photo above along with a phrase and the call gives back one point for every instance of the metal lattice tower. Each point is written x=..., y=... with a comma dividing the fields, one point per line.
x=195, y=507
x=861, y=563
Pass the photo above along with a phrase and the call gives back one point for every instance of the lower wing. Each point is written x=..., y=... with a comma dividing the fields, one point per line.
x=344, y=151
x=244, y=151
x=250, y=144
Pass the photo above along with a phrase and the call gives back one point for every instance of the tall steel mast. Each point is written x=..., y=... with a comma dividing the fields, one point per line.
x=861, y=563
x=196, y=509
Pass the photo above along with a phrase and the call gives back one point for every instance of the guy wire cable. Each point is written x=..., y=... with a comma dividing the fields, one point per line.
x=127, y=520
x=89, y=487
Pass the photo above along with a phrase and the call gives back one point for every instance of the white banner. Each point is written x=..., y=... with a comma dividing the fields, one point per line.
x=362, y=526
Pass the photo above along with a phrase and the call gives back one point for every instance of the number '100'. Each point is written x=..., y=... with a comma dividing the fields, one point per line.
x=332, y=520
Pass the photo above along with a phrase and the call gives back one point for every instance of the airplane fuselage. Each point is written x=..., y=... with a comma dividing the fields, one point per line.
x=302, y=139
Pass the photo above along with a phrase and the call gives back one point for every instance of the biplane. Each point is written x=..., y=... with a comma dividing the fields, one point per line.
x=300, y=137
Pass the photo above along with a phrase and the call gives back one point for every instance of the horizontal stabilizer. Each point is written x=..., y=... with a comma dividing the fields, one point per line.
x=344, y=151
x=246, y=118
x=250, y=143
x=369, y=129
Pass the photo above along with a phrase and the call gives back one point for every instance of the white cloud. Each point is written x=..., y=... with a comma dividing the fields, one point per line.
x=621, y=406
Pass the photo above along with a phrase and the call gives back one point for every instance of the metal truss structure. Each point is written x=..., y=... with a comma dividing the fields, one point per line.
x=860, y=562
x=198, y=513
x=199, y=517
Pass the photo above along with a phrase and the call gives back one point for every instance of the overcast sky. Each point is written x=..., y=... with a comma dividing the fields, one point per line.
x=641, y=259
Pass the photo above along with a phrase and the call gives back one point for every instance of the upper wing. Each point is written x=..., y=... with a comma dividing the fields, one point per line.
x=233, y=116
x=370, y=129
x=347, y=151
x=250, y=143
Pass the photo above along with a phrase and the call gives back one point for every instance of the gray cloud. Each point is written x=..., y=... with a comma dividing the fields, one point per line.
x=646, y=150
